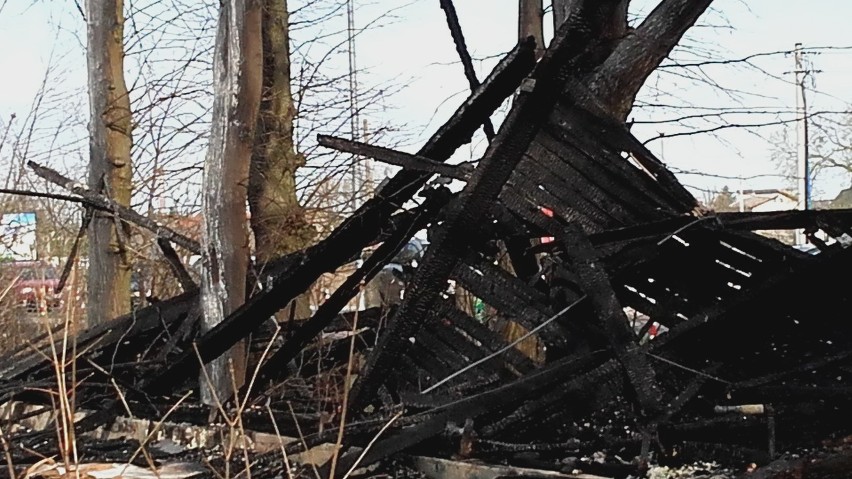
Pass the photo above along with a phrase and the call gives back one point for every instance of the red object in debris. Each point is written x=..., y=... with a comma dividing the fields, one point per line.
x=653, y=330
x=547, y=212
x=34, y=284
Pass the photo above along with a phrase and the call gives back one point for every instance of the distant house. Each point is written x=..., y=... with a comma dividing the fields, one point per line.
x=842, y=200
x=764, y=200
x=761, y=201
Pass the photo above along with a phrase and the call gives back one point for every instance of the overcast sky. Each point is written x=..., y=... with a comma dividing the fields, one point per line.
x=414, y=47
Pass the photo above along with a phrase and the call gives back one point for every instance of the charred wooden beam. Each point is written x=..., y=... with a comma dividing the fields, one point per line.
x=464, y=55
x=360, y=228
x=748, y=221
x=398, y=158
x=459, y=410
x=451, y=242
x=177, y=267
x=104, y=336
x=346, y=291
x=491, y=341
x=103, y=203
x=583, y=260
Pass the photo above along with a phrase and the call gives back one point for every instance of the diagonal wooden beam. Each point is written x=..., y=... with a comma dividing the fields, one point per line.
x=103, y=203
x=394, y=157
x=464, y=55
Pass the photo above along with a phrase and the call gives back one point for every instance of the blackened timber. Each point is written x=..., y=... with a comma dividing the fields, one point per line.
x=505, y=293
x=440, y=350
x=550, y=168
x=108, y=334
x=678, y=402
x=617, y=135
x=489, y=340
x=103, y=203
x=326, y=313
x=594, y=182
x=177, y=267
x=810, y=278
x=363, y=226
x=525, y=199
x=464, y=56
x=607, y=170
x=398, y=158
x=595, y=282
x=747, y=221
x=454, y=238
x=471, y=406
x=449, y=336
x=522, y=260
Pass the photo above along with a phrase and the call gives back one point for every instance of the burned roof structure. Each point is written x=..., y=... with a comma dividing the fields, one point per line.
x=750, y=325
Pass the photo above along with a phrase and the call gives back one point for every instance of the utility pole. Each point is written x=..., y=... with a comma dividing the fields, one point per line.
x=353, y=99
x=803, y=167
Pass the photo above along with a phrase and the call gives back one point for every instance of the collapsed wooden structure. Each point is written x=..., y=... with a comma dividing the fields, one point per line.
x=755, y=358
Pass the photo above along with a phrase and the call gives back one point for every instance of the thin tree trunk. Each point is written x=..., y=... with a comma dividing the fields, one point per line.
x=109, y=160
x=531, y=23
x=237, y=74
x=277, y=219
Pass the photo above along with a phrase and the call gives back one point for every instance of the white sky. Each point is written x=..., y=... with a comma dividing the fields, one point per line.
x=416, y=48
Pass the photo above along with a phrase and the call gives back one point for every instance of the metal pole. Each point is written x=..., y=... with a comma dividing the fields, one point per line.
x=353, y=98
x=803, y=168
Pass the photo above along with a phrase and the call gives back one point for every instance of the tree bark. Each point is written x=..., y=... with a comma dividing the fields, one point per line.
x=622, y=58
x=531, y=23
x=277, y=219
x=237, y=85
x=109, y=160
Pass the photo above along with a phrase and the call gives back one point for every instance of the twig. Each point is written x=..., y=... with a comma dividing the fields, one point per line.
x=370, y=444
x=507, y=347
x=302, y=438
x=280, y=441
x=156, y=429
x=8, y=454
x=72, y=255
x=345, y=405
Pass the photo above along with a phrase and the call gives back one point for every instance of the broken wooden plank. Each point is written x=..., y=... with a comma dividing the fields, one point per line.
x=398, y=158
x=437, y=468
x=106, y=204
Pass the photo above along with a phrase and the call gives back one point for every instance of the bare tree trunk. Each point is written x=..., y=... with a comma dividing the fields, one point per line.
x=531, y=23
x=622, y=58
x=277, y=219
x=237, y=86
x=109, y=161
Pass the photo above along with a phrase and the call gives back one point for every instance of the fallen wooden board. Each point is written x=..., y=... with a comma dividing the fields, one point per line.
x=436, y=468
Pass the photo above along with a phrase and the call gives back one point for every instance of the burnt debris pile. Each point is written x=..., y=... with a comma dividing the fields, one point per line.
x=576, y=308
